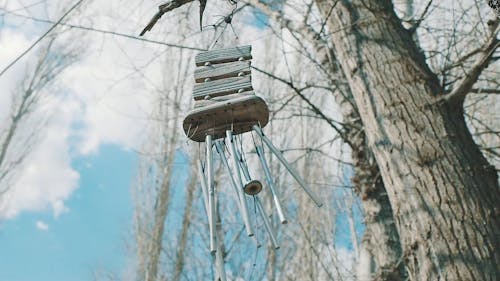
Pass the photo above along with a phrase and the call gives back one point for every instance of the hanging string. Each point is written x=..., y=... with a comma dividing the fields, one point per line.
x=253, y=139
x=243, y=158
x=228, y=21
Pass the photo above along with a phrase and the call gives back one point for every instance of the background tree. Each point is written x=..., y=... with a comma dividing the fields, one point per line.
x=433, y=173
x=22, y=124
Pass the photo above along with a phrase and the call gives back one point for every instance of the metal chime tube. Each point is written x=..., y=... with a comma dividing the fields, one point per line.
x=260, y=209
x=211, y=193
x=244, y=168
x=277, y=204
x=203, y=183
x=220, y=274
x=267, y=224
x=239, y=194
x=287, y=165
x=236, y=170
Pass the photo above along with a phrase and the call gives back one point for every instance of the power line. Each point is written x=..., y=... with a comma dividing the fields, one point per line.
x=41, y=37
x=23, y=8
x=103, y=31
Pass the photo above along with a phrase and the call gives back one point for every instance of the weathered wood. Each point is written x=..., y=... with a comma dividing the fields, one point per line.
x=220, y=71
x=238, y=115
x=224, y=55
x=214, y=100
x=222, y=87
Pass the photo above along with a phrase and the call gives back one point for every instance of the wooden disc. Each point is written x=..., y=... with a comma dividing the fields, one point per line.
x=238, y=114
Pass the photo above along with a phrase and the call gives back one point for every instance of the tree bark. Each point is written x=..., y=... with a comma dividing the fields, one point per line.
x=380, y=244
x=381, y=239
x=443, y=192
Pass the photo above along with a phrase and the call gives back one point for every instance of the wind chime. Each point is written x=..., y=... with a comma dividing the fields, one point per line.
x=225, y=106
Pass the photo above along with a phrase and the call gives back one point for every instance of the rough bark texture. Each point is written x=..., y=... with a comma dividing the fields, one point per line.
x=443, y=192
x=495, y=5
x=381, y=239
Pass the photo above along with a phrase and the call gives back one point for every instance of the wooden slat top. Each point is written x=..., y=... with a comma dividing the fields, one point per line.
x=223, y=70
x=201, y=103
x=222, y=87
x=237, y=114
x=224, y=55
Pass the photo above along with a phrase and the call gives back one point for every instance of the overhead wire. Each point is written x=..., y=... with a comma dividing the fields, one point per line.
x=21, y=9
x=55, y=24
x=98, y=30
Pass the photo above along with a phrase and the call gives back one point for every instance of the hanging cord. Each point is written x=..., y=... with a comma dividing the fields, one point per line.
x=243, y=158
x=228, y=19
x=59, y=22
x=254, y=143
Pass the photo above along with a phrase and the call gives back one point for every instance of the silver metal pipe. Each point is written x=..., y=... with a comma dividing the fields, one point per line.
x=211, y=193
x=219, y=257
x=256, y=241
x=269, y=179
x=267, y=224
x=244, y=169
x=203, y=183
x=236, y=170
x=242, y=165
x=238, y=191
x=220, y=271
x=287, y=165
x=254, y=186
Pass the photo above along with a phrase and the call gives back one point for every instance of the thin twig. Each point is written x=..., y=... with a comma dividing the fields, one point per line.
x=162, y=9
x=41, y=37
x=298, y=91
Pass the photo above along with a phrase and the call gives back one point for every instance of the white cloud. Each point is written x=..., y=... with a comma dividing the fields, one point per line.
x=10, y=45
x=42, y=226
x=46, y=179
x=89, y=108
x=112, y=116
x=108, y=96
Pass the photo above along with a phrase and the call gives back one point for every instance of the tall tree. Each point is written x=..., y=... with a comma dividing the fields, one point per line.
x=380, y=243
x=442, y=190
x=414, y=154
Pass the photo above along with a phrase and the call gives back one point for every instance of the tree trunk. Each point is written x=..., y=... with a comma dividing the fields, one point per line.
x=443, y=193
x=380, y=240
x=380, y=244
x=186, y=224
x=160, y=210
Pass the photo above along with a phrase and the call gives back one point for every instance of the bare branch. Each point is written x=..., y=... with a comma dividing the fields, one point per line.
x=485, y=91
x=465, y=85
x=298, y=91
x=162, y=9
x=41, y=37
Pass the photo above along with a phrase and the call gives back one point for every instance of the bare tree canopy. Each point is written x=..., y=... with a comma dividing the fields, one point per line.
x=434, y=174
x=387, y=111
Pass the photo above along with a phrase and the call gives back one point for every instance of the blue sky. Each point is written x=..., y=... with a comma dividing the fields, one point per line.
x=90, y=236
x=111, y=103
